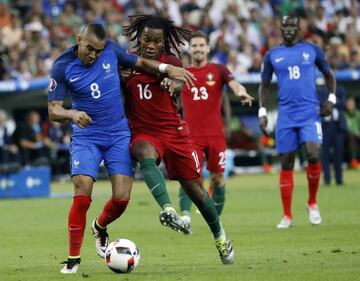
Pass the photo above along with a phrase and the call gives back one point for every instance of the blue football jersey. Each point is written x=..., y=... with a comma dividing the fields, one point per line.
x=94, y=89
x=295, y=70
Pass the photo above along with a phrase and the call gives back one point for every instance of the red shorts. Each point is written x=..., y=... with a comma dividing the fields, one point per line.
x=177, y=151
x=213, y=149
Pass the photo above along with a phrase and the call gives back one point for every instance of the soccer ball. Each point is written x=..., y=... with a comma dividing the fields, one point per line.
x=122, y=256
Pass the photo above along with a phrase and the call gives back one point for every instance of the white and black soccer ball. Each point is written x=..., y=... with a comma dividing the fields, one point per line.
x=122, y=256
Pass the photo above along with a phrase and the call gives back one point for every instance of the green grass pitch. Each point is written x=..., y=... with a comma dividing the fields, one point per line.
x=33, y=236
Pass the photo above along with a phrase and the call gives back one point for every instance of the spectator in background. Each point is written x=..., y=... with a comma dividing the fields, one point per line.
x=57, y=138
x=243, y=138
x=28, y=138
x=8, y=150
x=334, y=131
x=352, y=116
x=11, y=34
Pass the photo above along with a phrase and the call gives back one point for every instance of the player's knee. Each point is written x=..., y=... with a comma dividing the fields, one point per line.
x=217, y=180
x=82, y=185
x=313, y=159
x=144, y=150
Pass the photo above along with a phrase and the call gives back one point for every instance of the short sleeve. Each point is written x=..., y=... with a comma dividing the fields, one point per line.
x=266, y=68
x=125, y=59
x=57, y=87
x=320, y=60
x=226, y=75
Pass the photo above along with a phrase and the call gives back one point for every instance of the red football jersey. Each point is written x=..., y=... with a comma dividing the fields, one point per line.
x=202, y=102
x=148, y=106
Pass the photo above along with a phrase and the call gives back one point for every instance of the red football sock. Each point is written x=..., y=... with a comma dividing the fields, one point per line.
x=112, y=210
x=77, y=223
x=313, y=172
x=286, y=190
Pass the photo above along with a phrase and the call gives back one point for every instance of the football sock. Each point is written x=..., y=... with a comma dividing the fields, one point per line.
x=77, y=223
x=111, y=211
x=286, y=190
x=313, y=172
x=155, y=181
x=208, y=211
x=218, y=197
x=184, y=202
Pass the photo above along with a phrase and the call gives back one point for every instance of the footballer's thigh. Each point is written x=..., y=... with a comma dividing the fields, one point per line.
x=216, y=159
x=85, y=159
x=311, y=134
x=181, y=158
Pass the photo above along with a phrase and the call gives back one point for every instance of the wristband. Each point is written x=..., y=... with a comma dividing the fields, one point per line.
x=262, y=112
x=332, y=98
x=162, y=67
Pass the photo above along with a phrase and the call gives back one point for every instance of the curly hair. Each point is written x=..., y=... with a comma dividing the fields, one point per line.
x=173, y=35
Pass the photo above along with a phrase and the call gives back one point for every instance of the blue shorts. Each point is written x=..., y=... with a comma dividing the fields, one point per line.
x=112, y=147
x=289, y=136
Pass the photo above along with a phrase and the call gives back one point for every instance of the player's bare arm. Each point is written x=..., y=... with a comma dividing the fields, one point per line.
x=240, y=91
x=227, y=113
x=58, y=113
x=263, y=91
x=173, y=86
x=174, y=72
x=331, y=86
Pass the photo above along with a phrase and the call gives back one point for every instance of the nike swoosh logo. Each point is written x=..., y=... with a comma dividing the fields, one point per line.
x=73, y=79
x=278, y=59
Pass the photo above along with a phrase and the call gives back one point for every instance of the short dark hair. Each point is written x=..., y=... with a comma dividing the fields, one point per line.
x=172, y=33
x=97, y=29
x=199, y=34
x=290, y=16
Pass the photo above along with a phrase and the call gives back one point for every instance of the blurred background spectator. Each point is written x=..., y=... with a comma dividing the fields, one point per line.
x=34, y=33
x=27, y=136
x=241, y=31
x=8, y=149
x=352, y=116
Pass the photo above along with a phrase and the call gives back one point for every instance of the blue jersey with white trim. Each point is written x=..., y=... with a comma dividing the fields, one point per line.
x=295, y=70
x=94, y=89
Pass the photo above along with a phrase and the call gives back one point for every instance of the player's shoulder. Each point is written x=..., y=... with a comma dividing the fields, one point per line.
x=310, y=45
x=170, y=59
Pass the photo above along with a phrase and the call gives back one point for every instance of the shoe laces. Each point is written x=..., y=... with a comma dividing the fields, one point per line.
x=102, y=235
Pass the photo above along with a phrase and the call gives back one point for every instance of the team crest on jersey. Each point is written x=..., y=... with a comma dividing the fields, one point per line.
x=52, y=85
x=106, y=66
x=210, y=79
x=306, y=57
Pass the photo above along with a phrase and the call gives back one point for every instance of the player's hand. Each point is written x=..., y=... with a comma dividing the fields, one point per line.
x=246, y=99
x=326, y=109
x=180, y=74
x=263, y=125
x=125, y=73
x=170, y=85
x=81, y=118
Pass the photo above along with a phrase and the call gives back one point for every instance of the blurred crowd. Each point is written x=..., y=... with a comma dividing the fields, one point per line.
x=34, y=32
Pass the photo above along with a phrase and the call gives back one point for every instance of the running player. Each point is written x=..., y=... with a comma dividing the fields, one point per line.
x=158, y=132
x=88, y=73
x=294, y=64
x=202, y=112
